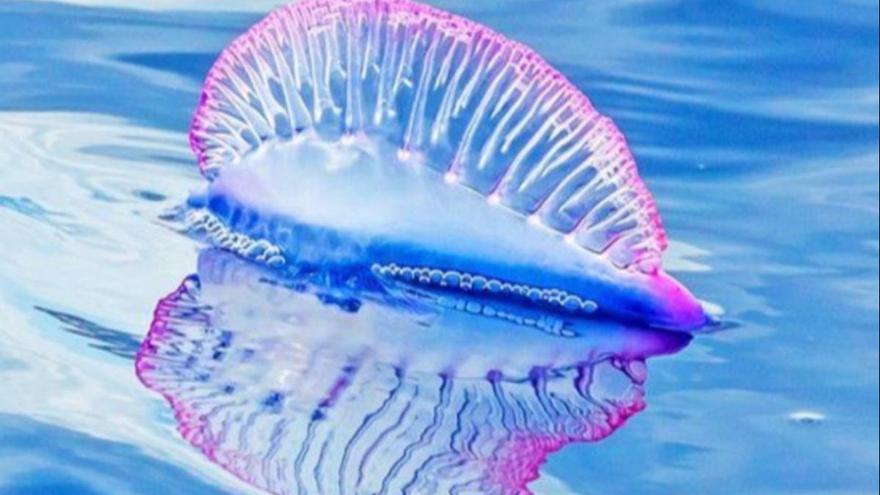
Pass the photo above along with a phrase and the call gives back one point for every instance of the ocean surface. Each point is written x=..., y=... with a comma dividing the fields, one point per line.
x=755, y=124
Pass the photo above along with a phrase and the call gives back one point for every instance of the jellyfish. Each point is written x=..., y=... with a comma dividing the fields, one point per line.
x=325, y=382
x=392, y=140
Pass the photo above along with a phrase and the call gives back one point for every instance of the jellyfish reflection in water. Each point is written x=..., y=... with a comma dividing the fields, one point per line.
x=337, y=384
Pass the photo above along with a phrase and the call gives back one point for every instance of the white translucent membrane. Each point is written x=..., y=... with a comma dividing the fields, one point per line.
x=328, y=384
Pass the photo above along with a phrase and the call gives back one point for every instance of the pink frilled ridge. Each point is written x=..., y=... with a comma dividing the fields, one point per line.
x=643, y=245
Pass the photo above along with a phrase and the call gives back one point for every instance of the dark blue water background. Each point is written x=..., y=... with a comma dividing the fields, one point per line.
x=755, y=124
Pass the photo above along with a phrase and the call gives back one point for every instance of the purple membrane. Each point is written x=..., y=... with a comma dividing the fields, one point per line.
x=384, y=134
x=341, y=383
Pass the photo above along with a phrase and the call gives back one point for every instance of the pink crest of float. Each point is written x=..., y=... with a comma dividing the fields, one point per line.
x=486, y=112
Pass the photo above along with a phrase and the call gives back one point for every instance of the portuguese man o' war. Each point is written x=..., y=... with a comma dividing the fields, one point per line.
x=326, y=383
x=433, y=264
x=395, y=140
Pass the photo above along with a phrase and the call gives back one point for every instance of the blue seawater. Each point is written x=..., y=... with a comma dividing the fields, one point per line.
x=755, y=124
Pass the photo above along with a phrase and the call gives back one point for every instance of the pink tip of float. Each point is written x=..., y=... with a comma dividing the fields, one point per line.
x=674, y=307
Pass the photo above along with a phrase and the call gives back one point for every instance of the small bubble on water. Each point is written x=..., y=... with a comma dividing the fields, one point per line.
x=806, y=417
